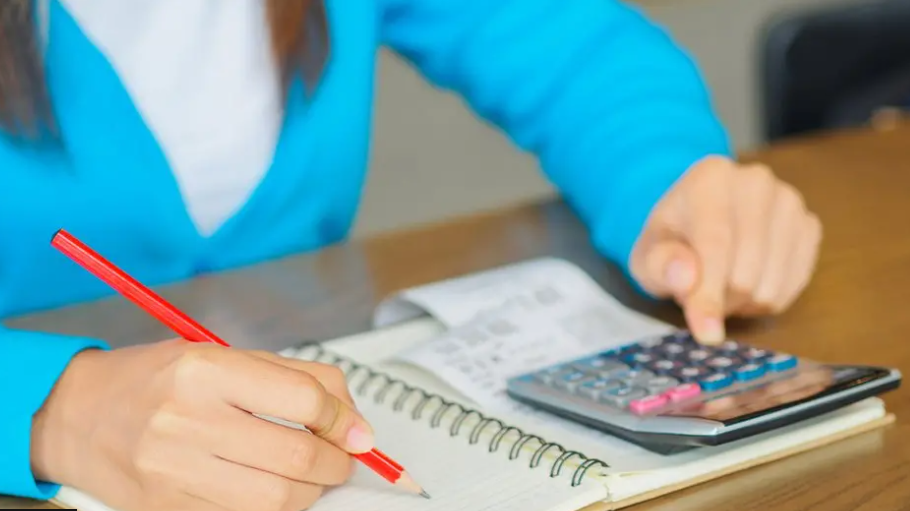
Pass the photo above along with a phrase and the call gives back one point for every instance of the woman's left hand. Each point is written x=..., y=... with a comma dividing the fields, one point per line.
x=727, y=239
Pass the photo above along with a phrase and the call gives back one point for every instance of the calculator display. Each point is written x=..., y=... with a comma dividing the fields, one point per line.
x=809, y=382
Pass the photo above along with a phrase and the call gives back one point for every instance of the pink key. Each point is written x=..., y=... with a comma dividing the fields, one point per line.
x=646, y=404
x=684, y=391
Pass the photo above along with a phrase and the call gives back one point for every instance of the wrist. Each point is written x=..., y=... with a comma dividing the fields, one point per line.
x=61, y=428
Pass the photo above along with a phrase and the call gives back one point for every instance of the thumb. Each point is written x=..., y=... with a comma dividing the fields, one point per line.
x=667, y=268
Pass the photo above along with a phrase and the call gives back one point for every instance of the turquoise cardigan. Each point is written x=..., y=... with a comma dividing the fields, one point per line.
x=614, y=111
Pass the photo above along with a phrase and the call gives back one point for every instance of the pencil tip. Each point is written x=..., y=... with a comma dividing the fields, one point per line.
x=424, y=494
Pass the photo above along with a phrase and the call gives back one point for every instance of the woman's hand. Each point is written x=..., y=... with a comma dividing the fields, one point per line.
x=170, y=426
x=727, y=239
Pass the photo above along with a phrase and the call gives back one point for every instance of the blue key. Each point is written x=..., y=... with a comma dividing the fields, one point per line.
x=611, y=353
x=781, y=362
x=715, y=381
x=749, y=372
x=624, y=351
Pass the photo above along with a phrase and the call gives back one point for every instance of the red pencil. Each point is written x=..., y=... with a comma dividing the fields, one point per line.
x=190, y=330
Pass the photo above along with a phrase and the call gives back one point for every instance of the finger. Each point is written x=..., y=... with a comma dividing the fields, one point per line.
x=787, y=218
x=265, y=388
x=710, y=233
x=290, y=453
x=803, y=262
x=755, y=192
x=331, y=377
x=238, y=488
x=667, y=268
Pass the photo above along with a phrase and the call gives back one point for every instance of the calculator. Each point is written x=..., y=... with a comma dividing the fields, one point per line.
x=670, y=393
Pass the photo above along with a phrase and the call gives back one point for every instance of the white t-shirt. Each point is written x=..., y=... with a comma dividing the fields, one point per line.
x=202, y=75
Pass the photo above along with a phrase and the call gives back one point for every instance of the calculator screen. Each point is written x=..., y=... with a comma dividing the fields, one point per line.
x=805, y=384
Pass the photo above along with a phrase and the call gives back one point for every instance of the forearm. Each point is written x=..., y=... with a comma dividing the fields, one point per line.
x=614, y=110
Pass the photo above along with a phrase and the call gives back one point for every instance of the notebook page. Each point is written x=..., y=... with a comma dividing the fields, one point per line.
x=458, y=475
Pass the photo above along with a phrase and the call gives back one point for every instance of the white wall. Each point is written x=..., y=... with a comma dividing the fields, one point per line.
x=432, y=159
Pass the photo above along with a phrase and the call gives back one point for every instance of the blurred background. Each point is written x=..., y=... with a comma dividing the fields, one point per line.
x=777, y=69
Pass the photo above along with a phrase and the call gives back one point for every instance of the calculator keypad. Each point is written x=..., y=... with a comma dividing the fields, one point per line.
x=656, y=373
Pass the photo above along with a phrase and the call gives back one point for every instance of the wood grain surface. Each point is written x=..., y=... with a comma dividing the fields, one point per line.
x=855, y=310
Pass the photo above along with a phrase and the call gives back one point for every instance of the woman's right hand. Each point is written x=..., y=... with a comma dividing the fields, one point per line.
x=170, y=426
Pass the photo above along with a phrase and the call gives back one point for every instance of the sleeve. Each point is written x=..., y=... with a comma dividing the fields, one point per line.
x=613, y=109
x=30, y=364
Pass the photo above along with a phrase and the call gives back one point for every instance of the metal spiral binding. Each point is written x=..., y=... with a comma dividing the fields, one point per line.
x=389, y=384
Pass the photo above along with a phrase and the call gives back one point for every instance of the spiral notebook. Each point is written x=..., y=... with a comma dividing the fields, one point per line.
x=431, y=391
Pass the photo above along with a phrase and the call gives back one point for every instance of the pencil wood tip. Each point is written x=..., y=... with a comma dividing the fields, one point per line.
x=409, y=484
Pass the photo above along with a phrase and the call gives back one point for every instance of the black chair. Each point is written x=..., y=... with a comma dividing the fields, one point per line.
x=834, y=67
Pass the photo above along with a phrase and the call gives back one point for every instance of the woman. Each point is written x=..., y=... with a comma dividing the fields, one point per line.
x=183, y=136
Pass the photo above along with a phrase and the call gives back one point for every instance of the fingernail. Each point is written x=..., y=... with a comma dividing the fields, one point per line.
x=360, y=439
x=679, y=276
x=712, y=331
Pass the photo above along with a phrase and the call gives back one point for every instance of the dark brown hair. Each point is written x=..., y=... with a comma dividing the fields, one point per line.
x=300, y=40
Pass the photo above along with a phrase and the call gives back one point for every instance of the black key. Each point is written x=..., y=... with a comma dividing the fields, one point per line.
x=680, y=337
x=673, y=349
x=691, y=373
x=650, y=343
x=665, y=366
x=639, y=359
x=730, y=347
x=722, y=363
x=699, y=355
x=755, y=354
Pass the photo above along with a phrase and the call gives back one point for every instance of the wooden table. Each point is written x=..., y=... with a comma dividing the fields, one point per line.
x=855, y=310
